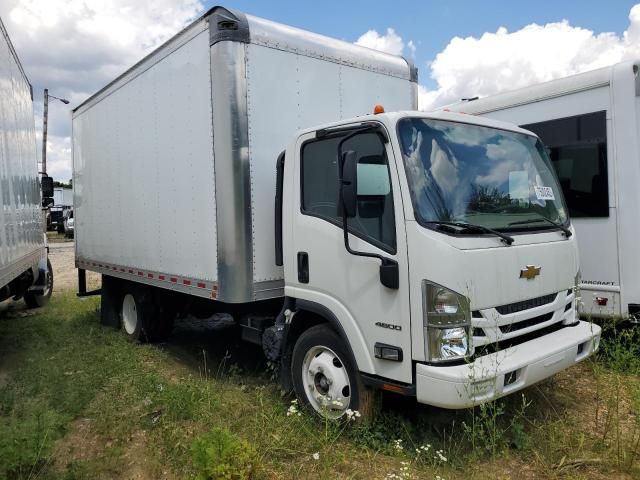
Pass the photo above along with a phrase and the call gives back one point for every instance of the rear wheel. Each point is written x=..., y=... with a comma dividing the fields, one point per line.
x=110, y=301
x=35, y=300
x=163, y=326
x=325, y=376
x=137, y=314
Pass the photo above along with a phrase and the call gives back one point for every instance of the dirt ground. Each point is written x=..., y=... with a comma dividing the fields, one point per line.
x=65, y=275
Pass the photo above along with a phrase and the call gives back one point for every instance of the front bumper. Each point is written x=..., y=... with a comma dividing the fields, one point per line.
x=464, y=386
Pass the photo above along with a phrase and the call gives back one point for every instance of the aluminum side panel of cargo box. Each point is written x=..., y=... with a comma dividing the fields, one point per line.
x=143, y=166
x=288, y=92
x=21, y=237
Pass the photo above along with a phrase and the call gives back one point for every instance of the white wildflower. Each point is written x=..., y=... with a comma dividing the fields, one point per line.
x=352, y=415
x=316, y=456
x=293, y=409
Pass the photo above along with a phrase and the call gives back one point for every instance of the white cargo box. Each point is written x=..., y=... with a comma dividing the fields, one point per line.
x=174, y=161
x=21, y=234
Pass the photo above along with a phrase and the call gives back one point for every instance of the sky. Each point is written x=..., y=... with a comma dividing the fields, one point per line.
x=461, y=48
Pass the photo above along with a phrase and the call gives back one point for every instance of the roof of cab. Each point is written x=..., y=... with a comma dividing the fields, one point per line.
x=391, y=118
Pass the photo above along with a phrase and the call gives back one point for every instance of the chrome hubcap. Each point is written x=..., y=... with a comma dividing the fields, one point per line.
x=129, y=314
x=326, y=382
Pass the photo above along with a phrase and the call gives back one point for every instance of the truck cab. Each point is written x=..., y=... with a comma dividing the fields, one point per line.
x=436, y=256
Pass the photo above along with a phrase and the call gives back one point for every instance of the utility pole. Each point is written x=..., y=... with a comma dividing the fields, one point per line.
x=44, y=131
x=45, y=115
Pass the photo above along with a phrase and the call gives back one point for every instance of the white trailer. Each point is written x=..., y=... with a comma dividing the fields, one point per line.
x=24, y=268
x=349, y=259
x=63, y=196
x=591, y=125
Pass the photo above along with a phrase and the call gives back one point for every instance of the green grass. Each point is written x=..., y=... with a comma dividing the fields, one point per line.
x=81, y=401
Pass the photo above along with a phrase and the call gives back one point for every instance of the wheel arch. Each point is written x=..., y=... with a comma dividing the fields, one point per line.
x=309, y=314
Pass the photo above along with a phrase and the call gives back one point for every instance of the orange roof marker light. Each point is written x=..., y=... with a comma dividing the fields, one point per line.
x=378, y=109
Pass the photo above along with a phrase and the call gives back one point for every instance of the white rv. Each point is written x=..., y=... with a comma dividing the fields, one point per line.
x=24, y=267
x=361, y=251
x=590, y=124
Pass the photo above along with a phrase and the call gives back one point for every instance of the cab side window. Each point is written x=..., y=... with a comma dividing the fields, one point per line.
x=375, y=220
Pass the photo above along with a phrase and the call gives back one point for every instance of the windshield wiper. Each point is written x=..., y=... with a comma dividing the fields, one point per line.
x=506, y=239
x=567, y=232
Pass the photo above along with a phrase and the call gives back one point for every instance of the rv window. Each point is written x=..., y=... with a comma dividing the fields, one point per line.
x=578, y=151
x=375, y=220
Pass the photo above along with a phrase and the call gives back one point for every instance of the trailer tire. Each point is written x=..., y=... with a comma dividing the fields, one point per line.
x=163, y=325
x=137, y=313
x=325, y=377
x=36, y=300
x=110, y=301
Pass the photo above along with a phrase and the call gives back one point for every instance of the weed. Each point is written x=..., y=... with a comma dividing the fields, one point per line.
x=66, y=367
x=620, y=347
x=490, y=431
x=220, y=455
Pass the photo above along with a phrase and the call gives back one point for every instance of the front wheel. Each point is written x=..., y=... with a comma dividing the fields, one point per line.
x=35, y=300
x=325, y=377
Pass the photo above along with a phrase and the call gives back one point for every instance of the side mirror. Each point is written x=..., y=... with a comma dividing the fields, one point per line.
x=46, y=201
x=390, y=273
x=349, y=183
x=47, y=187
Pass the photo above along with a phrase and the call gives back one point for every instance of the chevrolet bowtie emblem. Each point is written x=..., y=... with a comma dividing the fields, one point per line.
x=530, y=272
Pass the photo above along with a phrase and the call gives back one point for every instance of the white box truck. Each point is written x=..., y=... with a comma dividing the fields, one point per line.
x=374, y=252
x=591, y=125
x=24, y=267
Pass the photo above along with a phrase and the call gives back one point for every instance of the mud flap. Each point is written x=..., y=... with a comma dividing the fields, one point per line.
x=43, y=272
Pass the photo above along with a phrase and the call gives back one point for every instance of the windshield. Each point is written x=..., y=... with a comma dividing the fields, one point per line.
x=485, y=176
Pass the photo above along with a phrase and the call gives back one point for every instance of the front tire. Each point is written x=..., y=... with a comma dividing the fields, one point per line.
x=36, y=300
x=325, y=377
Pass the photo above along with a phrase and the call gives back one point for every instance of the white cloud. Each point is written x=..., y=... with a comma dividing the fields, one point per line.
x=75, y=47
x=391, y=42
x=505, y=60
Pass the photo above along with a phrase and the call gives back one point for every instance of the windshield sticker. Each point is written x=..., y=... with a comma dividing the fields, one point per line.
x=544, y=193
x=519, y=185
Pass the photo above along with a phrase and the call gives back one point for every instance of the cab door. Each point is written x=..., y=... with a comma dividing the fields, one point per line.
x=318, y=267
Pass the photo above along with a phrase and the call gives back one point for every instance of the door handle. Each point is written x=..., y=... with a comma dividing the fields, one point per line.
x=303, y=267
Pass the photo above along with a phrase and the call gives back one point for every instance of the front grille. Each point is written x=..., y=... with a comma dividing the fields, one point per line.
x=512, y=342
x=513, y=327
x=526, y=304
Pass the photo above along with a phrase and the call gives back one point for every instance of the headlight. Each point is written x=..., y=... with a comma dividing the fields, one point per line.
x=447, y=323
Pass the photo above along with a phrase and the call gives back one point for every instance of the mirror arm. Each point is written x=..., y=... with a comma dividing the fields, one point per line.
x=388, y=267
x=345, y=230
x=389, y=271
